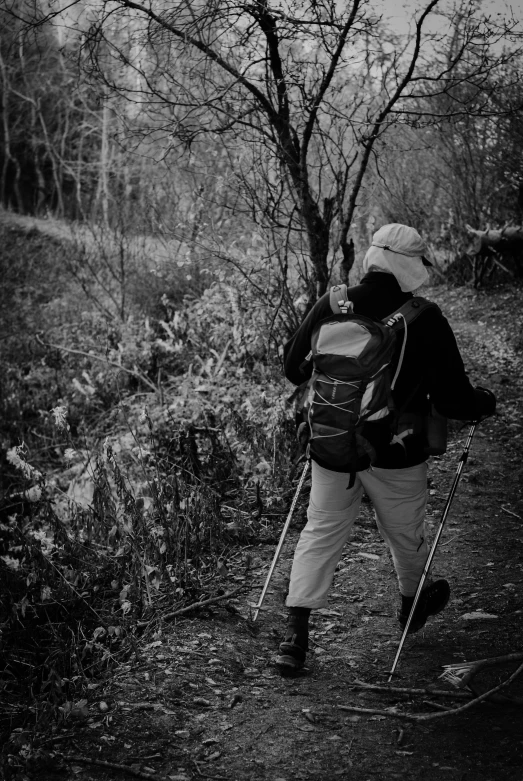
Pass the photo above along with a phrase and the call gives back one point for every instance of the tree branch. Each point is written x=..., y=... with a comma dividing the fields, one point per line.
x=133, y=372
x=114, y=766
x=208, y=51
x=203, y=603
x=307, y=133
x=422, y=717
x=372, y=138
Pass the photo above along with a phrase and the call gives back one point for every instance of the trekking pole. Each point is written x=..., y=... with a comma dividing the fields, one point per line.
x=282, y=540
x=430, y=557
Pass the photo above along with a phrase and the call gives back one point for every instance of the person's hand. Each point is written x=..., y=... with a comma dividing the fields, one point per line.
x=485, y=402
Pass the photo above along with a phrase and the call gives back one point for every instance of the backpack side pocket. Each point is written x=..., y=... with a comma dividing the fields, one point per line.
x=435, y=433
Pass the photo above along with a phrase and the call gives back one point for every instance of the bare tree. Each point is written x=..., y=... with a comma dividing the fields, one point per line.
x=302, y=93
x=454, y=171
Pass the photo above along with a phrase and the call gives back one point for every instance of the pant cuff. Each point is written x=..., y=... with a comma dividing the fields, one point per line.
x=313, y=604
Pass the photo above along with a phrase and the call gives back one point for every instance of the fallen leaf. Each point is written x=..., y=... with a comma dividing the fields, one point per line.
x=327, y=612
x=477, y=615
x=75, y=710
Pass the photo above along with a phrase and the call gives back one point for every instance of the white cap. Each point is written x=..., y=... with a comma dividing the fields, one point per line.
x=401, y=251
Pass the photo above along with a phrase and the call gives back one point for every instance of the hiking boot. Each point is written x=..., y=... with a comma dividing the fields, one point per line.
x=432, y=601
x=293, y=649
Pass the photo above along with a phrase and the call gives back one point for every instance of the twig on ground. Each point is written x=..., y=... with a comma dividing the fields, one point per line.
x=379, y=712
x=406, y=690
x=451, y=540
x=203, y=603
x=462, y=674
x=114, y=766
x=502, y=699
x=57, y=738
x=207, y=775
x=421, y=717
x=137, y=706
x=505, y=509
x=136, y=650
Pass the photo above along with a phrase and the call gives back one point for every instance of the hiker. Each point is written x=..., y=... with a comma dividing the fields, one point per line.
x=432, y=372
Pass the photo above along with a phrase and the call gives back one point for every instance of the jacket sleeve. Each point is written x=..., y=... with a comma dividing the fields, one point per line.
x=448, y=385
x=298, y=347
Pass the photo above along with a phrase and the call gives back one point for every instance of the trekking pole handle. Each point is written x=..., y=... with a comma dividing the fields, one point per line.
x=430, y=557
x=282, y=540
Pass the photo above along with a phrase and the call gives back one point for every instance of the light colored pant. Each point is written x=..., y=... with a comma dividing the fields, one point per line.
x=399, y=498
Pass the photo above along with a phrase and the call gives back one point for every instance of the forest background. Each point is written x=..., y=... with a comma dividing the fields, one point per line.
x=179, y=183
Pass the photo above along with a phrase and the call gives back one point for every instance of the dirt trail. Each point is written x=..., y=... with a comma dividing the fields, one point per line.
x=203, y=699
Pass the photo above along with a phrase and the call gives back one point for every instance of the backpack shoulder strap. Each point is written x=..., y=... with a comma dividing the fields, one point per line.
x=410, y=311
x=406, y=315
x=338, y=297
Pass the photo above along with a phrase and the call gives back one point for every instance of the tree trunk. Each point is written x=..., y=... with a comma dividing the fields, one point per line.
x=490, y=238
x=347, y=262
x=318, y=233
x=103, y=175
x=500, y=247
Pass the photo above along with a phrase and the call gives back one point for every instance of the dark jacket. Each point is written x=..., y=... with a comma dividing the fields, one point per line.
x=432, y=367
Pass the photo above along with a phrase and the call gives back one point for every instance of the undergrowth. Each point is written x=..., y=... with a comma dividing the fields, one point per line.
x=140, y=461
x=82, y=581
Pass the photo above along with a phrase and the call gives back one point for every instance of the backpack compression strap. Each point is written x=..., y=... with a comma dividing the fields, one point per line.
x=409, y=312
x=338, y=300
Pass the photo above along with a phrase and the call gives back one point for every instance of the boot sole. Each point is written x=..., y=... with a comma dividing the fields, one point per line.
x=419, y=623
x=288, y=662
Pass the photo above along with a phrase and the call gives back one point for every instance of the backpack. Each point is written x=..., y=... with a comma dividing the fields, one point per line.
x=354, y=372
